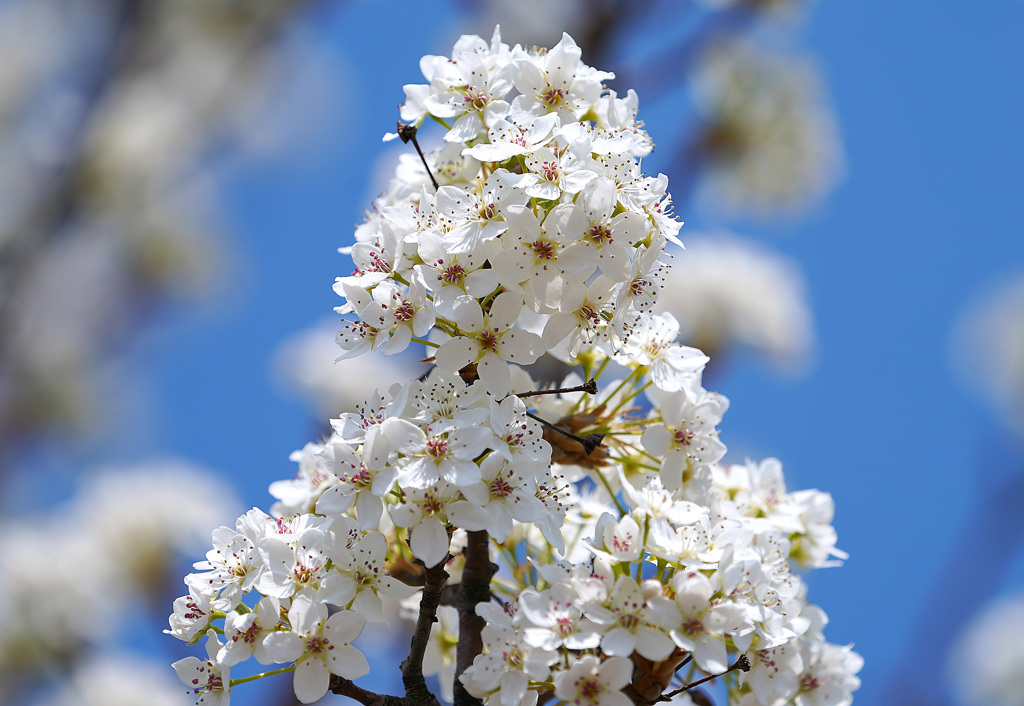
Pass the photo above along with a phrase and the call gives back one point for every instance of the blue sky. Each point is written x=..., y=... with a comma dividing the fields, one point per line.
x=931, y=211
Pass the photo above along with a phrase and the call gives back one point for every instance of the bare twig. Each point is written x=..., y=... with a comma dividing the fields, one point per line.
x=742, y=663
x=590, y=442
x=408, y=134
x=590, y=387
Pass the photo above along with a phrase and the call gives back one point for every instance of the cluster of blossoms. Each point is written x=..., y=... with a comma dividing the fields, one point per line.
x=622, y=555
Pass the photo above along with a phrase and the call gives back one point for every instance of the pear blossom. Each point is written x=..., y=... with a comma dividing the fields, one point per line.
x=326, y=646
x=590, y=682
x=209, y=679
x=489, y=340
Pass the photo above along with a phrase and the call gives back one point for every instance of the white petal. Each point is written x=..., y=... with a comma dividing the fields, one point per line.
x=429, y=541
x=456, y=353
x=311, y=680
x=619, y=642
x=347, y=661
x=344, y=626
x=279, y=647
x=494, y=374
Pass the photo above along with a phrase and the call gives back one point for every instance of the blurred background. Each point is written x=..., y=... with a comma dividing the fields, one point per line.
x=177, y=175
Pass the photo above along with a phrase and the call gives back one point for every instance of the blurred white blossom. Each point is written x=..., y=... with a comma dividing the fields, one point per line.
x=66, y=575
x=728, y=291
x=116, y=119
x=111, y=679
x=988, y=350
x=985, y=664
x=306, y=364
x=769, y=140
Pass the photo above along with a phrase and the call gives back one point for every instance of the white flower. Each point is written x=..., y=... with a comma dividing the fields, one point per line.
x=729, y=291
x=436, y=455
x=426, y=514
x=292, y=567
x=557, y=619
x=557, y=81
x=246, y=633
x=632, y=625
x=300, y=494
x=370, y=579
x=829, y=675
x=521, y=134
x=651, y=342
x=702, y=623
x=191, y=616
x=326, y=647
x=771, y=140
x=449, y=273
x=592, y=682
x=489, y=340
x=508, y=665
x=687, y=438
x=507, y=492
x=985, y=662
x=209, y=679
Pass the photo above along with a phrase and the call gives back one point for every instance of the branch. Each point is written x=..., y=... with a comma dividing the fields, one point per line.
x=416, y=691
x=475, y=588
x=345, y=687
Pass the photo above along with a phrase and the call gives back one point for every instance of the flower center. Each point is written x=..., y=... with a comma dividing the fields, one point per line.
x=405, y=311
x=318, y=645
x=553, y=96
x=474, y=98
x=501, y=488
x=437, y=447
x=549, y=170
x=809, y=682
x=543, y=249
x=684, y=437
x=453, y=274
x=600, y=234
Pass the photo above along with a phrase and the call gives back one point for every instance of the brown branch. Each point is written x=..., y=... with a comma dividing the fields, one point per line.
x=650, y=679
x=416, y=691
x=345, y=687
x=475, y=588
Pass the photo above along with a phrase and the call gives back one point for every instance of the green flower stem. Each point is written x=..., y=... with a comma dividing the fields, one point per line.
x=426, y=342
x=254, y=677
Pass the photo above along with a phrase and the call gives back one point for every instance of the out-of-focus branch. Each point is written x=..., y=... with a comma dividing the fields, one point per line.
x=66, y=192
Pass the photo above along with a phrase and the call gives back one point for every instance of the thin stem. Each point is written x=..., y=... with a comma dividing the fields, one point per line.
x=590, y=443
x=590, y=387
x=615, y=499
x=741, y=663
x=625, y=381
x=254, y=677
x=685, y=661
x=407, y=132
x=425, y=342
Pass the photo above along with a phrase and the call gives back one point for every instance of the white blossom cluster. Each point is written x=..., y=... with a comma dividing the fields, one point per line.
x=632, y=556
